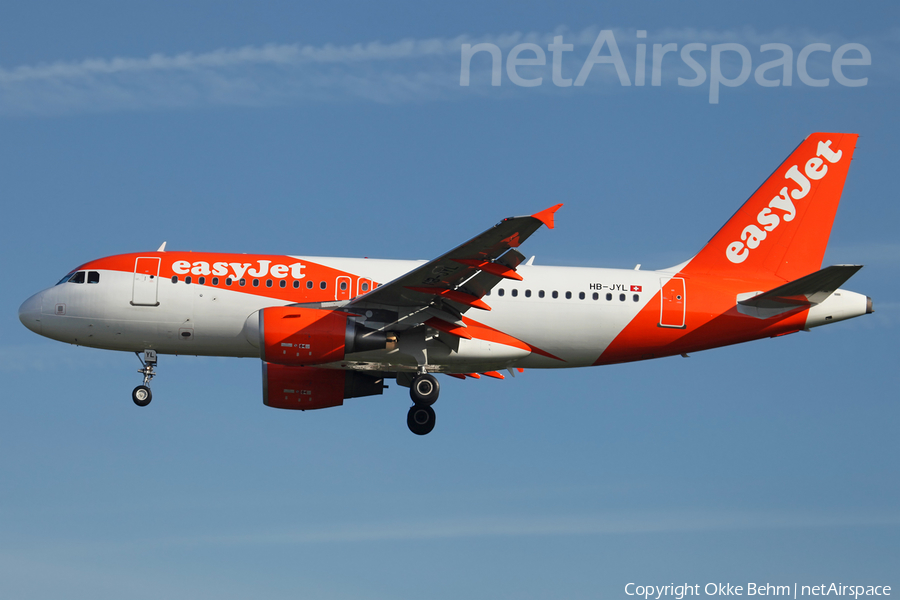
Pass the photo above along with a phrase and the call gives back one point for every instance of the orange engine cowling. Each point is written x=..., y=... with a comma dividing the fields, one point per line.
x=307, y=388
x=291, y=335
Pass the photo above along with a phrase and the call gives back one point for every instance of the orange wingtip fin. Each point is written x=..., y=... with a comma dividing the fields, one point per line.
x=473, y=375
x=546, y=216
x=450, y=328
x=494, y=374
x=457, y=375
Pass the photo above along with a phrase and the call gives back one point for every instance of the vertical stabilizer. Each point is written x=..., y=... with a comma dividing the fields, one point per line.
x=783, y=229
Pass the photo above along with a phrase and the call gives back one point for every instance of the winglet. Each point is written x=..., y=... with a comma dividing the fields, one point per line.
x=546, y=215
x=162, y=248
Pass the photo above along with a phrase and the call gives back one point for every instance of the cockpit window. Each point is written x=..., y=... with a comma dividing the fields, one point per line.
x=78, y=277
x=93, y=277
x=66, y=278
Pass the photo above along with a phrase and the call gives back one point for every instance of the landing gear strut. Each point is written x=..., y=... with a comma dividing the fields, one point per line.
x=142, y=394
x=424, y=392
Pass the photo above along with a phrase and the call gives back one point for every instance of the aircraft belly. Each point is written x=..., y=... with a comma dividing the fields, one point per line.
x=475, y=351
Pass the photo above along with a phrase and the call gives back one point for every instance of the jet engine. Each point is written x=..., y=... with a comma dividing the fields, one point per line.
x=290, y=335
x=308, y=388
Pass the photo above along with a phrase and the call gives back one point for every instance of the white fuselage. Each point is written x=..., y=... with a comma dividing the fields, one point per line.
x=572, y=314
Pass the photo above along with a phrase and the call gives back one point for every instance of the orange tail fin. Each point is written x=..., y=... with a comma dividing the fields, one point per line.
x=783, y=229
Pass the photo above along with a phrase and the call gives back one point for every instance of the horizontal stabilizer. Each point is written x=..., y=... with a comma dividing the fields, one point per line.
x=808, y=290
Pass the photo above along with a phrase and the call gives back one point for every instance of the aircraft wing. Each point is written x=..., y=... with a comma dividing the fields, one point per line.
x=456, y=281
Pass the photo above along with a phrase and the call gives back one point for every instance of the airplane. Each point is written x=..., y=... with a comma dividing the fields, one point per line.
x=329, y=329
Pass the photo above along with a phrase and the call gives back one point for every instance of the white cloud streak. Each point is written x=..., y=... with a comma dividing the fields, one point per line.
x=277, y=74
x=516, y=526
x=550, y=526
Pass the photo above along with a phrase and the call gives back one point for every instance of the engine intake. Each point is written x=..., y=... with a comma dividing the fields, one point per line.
x=291, y=335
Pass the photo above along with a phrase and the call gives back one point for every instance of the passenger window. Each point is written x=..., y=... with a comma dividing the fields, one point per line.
x=296, y=284
x=596, y=296
x=500, y=292
x=636, y=297
x=555, y=294
x=541, y=294
x=609, y=296
x=282, y=283
x=568, y=295
x=528, y=293
x=309, y=285
x=256, y=283
x=242, y=282
x=202, y=280
x=93, y=277
x=228, y=281
x=343, y=286
x=514, y=293
x=215, y=281
x=268, y=283
x=322, y=285
x=187, y=279
x=77, y=277
x=581, y=295
x=622, y=297
x=174, y=278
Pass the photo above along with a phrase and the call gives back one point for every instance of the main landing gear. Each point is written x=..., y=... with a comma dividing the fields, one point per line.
x=424, y=392
x=142, y=394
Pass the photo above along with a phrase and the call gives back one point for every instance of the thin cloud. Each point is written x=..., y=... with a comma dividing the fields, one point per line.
x=505, y=526
x=559, y=526
x=408, y=70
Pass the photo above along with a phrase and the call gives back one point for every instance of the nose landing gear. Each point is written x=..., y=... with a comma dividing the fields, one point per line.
x=141, y=395
x=424, y=392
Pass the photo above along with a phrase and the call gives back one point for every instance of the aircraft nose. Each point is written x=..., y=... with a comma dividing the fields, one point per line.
x=30, y=313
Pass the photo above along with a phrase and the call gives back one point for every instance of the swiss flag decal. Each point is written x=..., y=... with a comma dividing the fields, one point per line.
x=635, y=288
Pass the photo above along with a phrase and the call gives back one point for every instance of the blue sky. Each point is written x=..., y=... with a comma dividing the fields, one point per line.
x=342, y=130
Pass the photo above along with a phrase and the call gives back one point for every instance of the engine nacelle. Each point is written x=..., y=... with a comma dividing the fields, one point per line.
x=308, y=388
x=290, y=335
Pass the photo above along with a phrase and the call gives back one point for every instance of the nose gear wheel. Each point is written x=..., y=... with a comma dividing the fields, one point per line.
x=141, y=395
